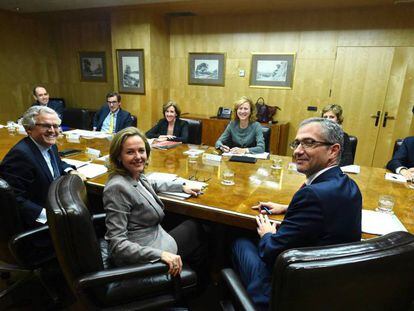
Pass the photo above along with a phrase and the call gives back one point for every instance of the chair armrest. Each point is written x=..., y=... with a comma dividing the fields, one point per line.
x=98, y=217
x=237, y=290
x=122, y=273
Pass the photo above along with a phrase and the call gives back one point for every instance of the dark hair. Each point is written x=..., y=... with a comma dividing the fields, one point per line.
x=116, y=148
x=169, y=104
x=37, y=86
x=112, y=94
x=241, y=101
x=336, y=109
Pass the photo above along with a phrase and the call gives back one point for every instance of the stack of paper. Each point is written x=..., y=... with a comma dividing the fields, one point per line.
x=395, y=178
x=89, y=170
x=75, y=163
x=262, y=156
x=380, y=223
x=88, y=134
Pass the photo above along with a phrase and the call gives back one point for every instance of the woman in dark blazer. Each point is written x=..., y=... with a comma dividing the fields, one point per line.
x=171, y=127
x=334, y=112
x=134, y=212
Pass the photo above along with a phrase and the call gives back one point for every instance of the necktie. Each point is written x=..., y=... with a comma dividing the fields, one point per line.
x=56, y=172
x=111, y=123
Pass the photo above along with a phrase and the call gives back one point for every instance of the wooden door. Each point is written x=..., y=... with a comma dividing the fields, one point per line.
x=359, y=85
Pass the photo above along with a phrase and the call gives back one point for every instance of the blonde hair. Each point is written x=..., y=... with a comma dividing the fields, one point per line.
x=117, y=143
x=241, y=101
x=336, y=109
x=169, y=104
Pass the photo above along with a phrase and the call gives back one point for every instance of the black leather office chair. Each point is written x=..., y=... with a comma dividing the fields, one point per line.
x=84, y=261
x=76, y=118
x=397, y=145
x=353, y=142
x=266, y=135
x=17, y=253
x=59, y=100
x=375, y=274
x=194, y=131
x=134, y=120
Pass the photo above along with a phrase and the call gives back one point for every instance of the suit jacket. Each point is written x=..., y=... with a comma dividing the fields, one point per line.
x=404, y=156
x=133, y=218
x=25, y=169
x=180, y=130
x=328, y=211
x=57, y=106
x=123, y=118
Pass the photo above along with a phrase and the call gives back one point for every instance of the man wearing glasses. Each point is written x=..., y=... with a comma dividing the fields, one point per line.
x=33, y=163
x=41, y=97
x=111, y=118
x=325, y=210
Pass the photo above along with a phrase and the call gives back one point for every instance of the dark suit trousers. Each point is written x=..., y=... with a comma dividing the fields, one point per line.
x=254, y=273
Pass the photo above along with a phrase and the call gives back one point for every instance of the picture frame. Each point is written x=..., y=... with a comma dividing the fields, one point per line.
x=272, y=70
x=131, y=71
x=92, y=66
x=206, y=68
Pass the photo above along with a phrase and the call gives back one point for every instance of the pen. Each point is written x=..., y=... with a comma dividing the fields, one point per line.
x=267, y=209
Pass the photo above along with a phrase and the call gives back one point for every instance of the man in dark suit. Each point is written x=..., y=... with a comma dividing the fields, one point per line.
x=111, y=118
x=33, y=163
x=325, y=210
x=41, y=97
x=403, y=160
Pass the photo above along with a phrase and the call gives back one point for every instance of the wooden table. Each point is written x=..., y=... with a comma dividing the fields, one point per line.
x=253, y=182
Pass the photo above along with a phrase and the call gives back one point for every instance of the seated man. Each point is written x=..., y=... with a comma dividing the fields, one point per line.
x=403, y=160
x=33, y=163
x=111, y=118
x=41, y=97
x=325, y=210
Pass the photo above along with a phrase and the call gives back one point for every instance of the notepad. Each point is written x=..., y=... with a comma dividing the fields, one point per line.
x=380, y=223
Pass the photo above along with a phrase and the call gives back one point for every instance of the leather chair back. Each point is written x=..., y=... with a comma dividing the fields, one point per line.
x=353, y=142
x=375, y=274
x=194, y=131
x=71, y=228
x=397, y=145
x=134, y=120
x=266, y=135
x=59, y=100
x=76, y=118
x=10, y=221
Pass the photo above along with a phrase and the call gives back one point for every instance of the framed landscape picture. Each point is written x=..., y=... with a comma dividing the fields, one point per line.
x=272, y=70
x=206, y=68
x=92, y=66
x=131, y=73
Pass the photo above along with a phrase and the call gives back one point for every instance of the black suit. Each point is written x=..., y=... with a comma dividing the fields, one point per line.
x=404, y=156
x=180, y=130
x=123, y=118
x=26, y=170
x=55, y=105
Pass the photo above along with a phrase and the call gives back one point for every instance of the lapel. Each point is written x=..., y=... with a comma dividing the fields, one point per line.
x=146, y=184
x=118, y=120
x=39, y=159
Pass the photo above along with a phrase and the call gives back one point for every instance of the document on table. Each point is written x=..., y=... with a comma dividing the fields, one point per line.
x=380, y=223
x=87, y=134
x=262, y=156
x=395, y=178
x=75, y=163
x=353, y=169
x=89, y=170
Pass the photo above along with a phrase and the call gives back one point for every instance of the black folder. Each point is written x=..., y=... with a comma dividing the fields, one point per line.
x=244, y=159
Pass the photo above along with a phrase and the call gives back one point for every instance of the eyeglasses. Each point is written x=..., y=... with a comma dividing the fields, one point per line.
x=47, y=126
x=112, y=102
x=195, y=178
x=308, y=143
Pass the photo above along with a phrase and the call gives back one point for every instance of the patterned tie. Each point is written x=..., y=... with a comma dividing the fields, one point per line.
x=111, y=123
x=56, y=172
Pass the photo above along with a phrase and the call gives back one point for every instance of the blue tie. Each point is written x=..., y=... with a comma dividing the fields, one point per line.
x=56, y=172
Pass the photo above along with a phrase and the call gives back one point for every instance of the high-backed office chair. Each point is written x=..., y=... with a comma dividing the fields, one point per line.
x=58, y=99
x=134, y=120
x=84, y=260
x=266, y=135
x=375, y=274
x=17, y=252
x=76, y=118
x=353, y=142
x=397, y=145
x=194, y=131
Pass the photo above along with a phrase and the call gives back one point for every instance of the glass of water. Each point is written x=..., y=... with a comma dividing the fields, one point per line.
x=385, y=204
x=227, y=178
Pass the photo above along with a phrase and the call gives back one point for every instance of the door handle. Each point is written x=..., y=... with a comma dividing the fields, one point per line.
x=376, y=117
x=386, y=117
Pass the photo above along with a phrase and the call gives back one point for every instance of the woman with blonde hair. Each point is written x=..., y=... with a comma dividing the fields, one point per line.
x=243, y=134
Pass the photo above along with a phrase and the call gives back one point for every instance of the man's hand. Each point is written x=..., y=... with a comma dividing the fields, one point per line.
x=237, y=150
x=408, y=173
x=273, y=208
x=264, y=225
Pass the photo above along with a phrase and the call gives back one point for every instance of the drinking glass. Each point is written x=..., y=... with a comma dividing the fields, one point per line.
x=227, y=177
x=385, y=204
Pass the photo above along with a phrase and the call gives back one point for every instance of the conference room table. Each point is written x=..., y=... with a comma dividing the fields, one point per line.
x=231, y=205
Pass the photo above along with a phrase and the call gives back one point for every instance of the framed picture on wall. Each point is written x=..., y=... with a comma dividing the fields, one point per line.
x=272, y=70
x=92, y=66
x=206, y=68
x=131, y=73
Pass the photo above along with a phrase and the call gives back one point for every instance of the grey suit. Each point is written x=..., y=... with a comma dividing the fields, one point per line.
x=133, y=218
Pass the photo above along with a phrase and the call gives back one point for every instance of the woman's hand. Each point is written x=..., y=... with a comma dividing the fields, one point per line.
x=225, y=148
x=191, y=190
x=162, y=138
x=274, y=208
x=173, y=261
x=237, y=150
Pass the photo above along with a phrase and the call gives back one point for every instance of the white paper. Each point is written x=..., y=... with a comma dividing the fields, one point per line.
x=192, y=183
x=380, y=223
x=155, y=176
x=88, y=134
x=93, y=152
x=353, y=169
x=395, y=178
x=262, y=156
x=75, y=163
x=193, y=152
x=211, y=157
x=92, y=170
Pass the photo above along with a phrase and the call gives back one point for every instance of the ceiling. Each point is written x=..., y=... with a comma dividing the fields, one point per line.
x=194, y=6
